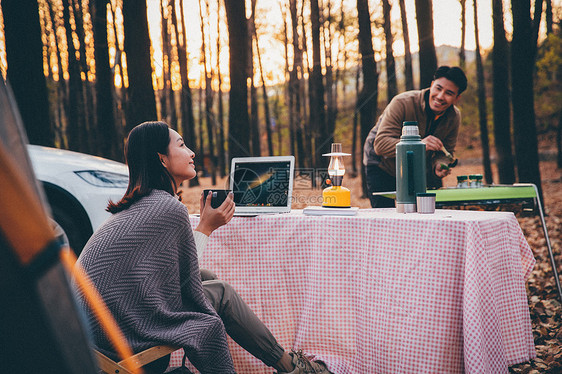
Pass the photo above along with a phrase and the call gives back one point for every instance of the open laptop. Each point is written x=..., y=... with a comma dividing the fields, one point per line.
x=262, y=185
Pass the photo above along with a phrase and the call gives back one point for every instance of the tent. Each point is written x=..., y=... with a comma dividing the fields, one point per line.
x=41, y=330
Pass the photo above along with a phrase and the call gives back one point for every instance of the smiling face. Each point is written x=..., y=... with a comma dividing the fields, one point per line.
x=179, y=160
x=442, y=94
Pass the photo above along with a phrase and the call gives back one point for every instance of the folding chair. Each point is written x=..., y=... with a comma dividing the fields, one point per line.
x=138, y=360
x=41, y=330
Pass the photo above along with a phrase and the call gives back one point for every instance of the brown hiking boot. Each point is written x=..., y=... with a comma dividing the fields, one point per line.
x=305, y=365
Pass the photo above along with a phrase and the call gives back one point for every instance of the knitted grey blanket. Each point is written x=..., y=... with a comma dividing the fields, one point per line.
x=143, y=262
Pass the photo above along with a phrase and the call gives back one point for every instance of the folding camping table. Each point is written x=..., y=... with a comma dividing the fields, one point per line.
x=519, y=193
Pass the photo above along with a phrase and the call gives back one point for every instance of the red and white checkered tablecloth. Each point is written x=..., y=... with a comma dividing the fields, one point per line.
x=383, y=292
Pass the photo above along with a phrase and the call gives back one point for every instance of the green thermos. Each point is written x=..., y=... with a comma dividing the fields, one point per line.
x=410, y=168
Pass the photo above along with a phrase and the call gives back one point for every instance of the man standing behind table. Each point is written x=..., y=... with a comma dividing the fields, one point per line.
x=438, y=121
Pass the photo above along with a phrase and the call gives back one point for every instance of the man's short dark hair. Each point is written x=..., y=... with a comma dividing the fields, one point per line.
x=454, y=74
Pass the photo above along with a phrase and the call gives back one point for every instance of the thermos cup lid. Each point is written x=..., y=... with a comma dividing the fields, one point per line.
x=410, y=128
x=425, y=194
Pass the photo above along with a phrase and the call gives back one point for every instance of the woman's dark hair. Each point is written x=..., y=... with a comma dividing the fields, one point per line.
x=454, y=74
x=146, y=172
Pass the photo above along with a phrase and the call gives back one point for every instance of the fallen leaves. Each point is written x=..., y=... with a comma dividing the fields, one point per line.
x=544, y=303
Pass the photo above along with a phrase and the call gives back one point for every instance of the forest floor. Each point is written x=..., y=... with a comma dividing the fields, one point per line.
x=544, y=305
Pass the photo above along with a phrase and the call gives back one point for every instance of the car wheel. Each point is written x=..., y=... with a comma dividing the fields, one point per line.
x=71, y=228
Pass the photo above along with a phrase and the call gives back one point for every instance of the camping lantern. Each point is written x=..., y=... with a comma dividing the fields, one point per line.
x=336, y=196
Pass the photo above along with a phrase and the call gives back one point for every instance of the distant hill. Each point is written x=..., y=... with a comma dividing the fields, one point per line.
x=449, y=55
x=446, y=55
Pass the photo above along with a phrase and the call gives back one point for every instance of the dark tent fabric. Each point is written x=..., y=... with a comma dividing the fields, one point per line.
x=13, y=137
x=40, y=328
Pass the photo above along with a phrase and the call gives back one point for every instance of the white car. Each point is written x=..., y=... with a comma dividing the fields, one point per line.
x=78, y=187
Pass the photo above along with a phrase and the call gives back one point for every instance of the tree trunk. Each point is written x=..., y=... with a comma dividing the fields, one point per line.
x=223, y=160
x=522, y=69
x=355, y=123
x=171, y=96
x=296, y=87
x=163, y=94
x=428, y=58
x=208, y=97
x=238, y=121
x=62, y=88
x=502, y=112
x=51, y=84
x=105, y=118
x=254, y=116
x=322, y=139
x=548, y=16
x=120, y=94
x=47, y=31
x=536, y=22
x=289, y=84
x=367, y=103
x=559, y=142
x=408, y=72
x=187, y=119
x=24, y=54
x=278, y=124
x=90, y=135
x=341, y=69
x=462, y=55
x=76, y=125
x=299, y=132
x=142, y=103
x=391, y=86
x=200, y=127
x=331, y=88
x=305, y=132
x=265, y=99
x=483, y=113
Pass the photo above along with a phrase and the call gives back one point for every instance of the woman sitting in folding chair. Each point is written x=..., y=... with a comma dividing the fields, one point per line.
x=143, y=261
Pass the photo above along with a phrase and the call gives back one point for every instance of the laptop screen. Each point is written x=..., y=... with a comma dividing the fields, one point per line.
x=262, y=183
